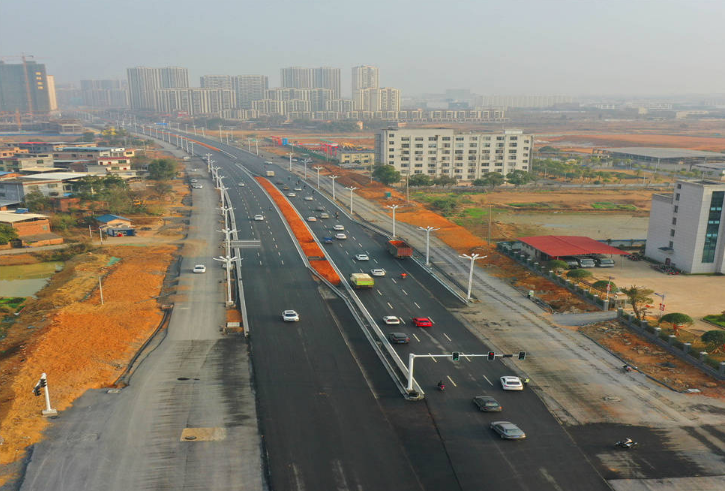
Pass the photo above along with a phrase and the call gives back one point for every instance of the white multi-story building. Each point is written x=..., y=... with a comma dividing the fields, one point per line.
x=374, y=99
x=441, y=151
x=143, y=83
x=296, y=77
x=686, y=227
x=249, y=88
x=327, y=78
x=363, y=77
x=195, y=101
x=216, y=82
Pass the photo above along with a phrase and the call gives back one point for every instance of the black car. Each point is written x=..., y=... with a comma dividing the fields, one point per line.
x=487, y=404
x=398, y=338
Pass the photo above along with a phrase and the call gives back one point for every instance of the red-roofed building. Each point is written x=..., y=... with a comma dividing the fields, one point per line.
x=548, y=247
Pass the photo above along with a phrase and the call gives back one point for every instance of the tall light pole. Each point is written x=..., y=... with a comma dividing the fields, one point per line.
x=227, y=233
x=333, y=177
x=407, y=187
x=290, y=154
x=662, y=305
x=351, y=188
x=473, y=258
x=428, y=230
x=249, y=145
x=228, y=266
x=318, y=169
x=305, y=162
x=393, y=207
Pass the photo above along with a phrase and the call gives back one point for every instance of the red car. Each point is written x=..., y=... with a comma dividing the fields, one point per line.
x=422, y=322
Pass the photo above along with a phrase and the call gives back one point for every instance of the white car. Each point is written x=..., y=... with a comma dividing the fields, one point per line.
x=324, y=215
x=340, y=236
x=311, y=219
x=258, y=218
x=241, y=184
x=308, y=198
x=509, y=382
x=338, y=227
x=362, y=257
x=291, y=195
x=298, y=188
x=290, y=316
x=199, y=268
x=391, y=320
x=377, y=272
x=197, y=186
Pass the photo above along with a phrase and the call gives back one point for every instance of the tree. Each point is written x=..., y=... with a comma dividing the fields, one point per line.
x=601, y=285
x=162, y=169
x=445, y=181
x=677, y=320
x=35, y=201
x=161, y=189
x=420, y=180
x=715, y=340
x=7, y=233
x=578, y=274
x=386, y=174
x=88, y=136
x=638, y=297
x=548, y=149
x=444, y=205
x=519, y=177
x=557, y=265
x=492, y=179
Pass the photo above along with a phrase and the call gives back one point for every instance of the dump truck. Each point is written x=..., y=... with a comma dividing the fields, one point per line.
x=270, y=173
x=400, y=249
x=361, y=280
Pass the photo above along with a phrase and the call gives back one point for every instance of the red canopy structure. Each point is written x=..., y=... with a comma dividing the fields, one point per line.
x=567, y=245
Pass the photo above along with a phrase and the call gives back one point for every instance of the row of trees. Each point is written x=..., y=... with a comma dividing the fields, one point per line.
x=388, y=175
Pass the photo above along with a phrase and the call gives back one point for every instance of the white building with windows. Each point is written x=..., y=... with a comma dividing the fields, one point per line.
x=686, y=227
x=444, y=152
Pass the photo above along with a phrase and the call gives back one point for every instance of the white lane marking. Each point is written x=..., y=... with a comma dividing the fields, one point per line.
x=449, y=378
x=379, y=292
x=282, y=262
x=404, y=291
x=390, y=305
x=359, y=245
x=275, y=246
x=446, y=335
x=260, y=263
x=434, y=360
x=279, y=253
x=467, y=358
x=393, y=280
x=416, y=338
x=347, y=253
x=416, y=304
x=487, y=380
x=375, y=260
x=431, y=320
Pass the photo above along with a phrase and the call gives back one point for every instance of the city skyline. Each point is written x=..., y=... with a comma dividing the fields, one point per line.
x=558, y=47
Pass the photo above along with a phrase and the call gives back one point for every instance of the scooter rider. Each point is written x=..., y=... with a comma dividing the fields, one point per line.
x=441, y=385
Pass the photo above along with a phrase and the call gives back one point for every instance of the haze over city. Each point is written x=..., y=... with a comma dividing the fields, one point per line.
x=516, y=47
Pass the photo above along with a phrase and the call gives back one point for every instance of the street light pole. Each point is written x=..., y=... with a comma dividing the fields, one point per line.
x=407, y=188
x=428, y=230
x=333, y=177
x=318, y=169
x=305, y=162
x=290, y=154
x=351, y=188
x=662, y=305
x=473, y=258
x=228, y=266
x=393, y=207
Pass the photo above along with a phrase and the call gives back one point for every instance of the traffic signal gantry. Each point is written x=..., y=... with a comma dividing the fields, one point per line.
x=456, y=356
x=43, y=384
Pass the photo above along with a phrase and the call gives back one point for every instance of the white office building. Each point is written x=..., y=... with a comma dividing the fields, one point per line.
x=442, y=151
x=686, y=227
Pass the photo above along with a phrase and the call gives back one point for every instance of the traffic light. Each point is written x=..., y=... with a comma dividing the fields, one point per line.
x=36, y=390
x=456, y=356
x=522, y=355
x=491, y=356
x=43, y=382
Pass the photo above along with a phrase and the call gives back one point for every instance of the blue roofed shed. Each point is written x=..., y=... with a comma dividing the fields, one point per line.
x=113, y=221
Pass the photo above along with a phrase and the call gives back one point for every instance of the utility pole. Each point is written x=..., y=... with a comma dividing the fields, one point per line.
x=100, y=289
x=427, y=230
x=333, y=177
x=351, y=188
x=490, y=222
x=318, y=169
x=473, y=258
x=393, y=207
x=290, y=154
x=228, y=266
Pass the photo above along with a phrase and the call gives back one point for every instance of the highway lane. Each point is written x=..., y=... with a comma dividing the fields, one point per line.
x=462, y=428
x=314, y=400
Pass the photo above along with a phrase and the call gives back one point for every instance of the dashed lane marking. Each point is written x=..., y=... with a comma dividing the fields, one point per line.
x=449, y=339
x=416, y=338
x=416, y=304
x=404, y=291
x=487, y=380
x=379, y=292
x=449, y=378
x=434, y=360
x=390, y=305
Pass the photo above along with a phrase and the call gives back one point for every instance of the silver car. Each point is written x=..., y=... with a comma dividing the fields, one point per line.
x=507, y=430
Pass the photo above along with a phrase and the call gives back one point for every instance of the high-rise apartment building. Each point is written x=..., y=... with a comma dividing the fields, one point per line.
x=143, y=83
x=249, y=88
x=296, y=77
x=24, y=88
x=195, y=101
x=327, y=78
x=52, y=100
x=363, y=77
x=687, y=228
x=465, y=156
x=385, y=99
x=104, y=93
x=216, y=82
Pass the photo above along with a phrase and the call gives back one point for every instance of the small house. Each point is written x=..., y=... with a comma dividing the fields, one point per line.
x=113, y=221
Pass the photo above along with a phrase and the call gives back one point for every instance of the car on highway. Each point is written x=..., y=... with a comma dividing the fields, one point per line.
x=197, y=186
x=298, y=188
x=320, y=208
x=509, y=382
x=487, y=404
x=291, y=195
x=338, y=227
x=308, y=198
x=267, y=162
x=340, y=236
x=311, y=219
x=391, y=320
x=278, y=181
x=507, y=430
x=285, y=188
x=324, y=215
x=258, y=218
x=362, y=257
x=422, y=322
x=290, y=316
x=194, y=180
x=377, y=272
x=199, y=268
x=398, y=338
x=241, y=184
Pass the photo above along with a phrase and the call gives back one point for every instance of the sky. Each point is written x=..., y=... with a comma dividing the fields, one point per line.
x=505, y=47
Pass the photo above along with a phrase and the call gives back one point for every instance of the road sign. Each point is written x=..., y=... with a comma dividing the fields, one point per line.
x=245, y=244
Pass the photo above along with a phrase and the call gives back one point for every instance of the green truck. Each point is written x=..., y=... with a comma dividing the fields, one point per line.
x=361, y=280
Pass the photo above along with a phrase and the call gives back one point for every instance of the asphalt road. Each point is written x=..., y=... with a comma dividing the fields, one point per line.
x=476, y=454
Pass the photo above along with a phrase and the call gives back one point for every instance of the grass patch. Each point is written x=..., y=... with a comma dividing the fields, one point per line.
x=717, y=319
x=607, y=205
x=474, y=213
x=530, y=205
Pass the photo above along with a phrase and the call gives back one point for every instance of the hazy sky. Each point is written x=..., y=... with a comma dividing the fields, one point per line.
x=501, y=47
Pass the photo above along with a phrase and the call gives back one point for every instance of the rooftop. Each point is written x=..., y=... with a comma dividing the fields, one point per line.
x=665, y=153
x=59, y=176
x=569, y=245
x=12, y=217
